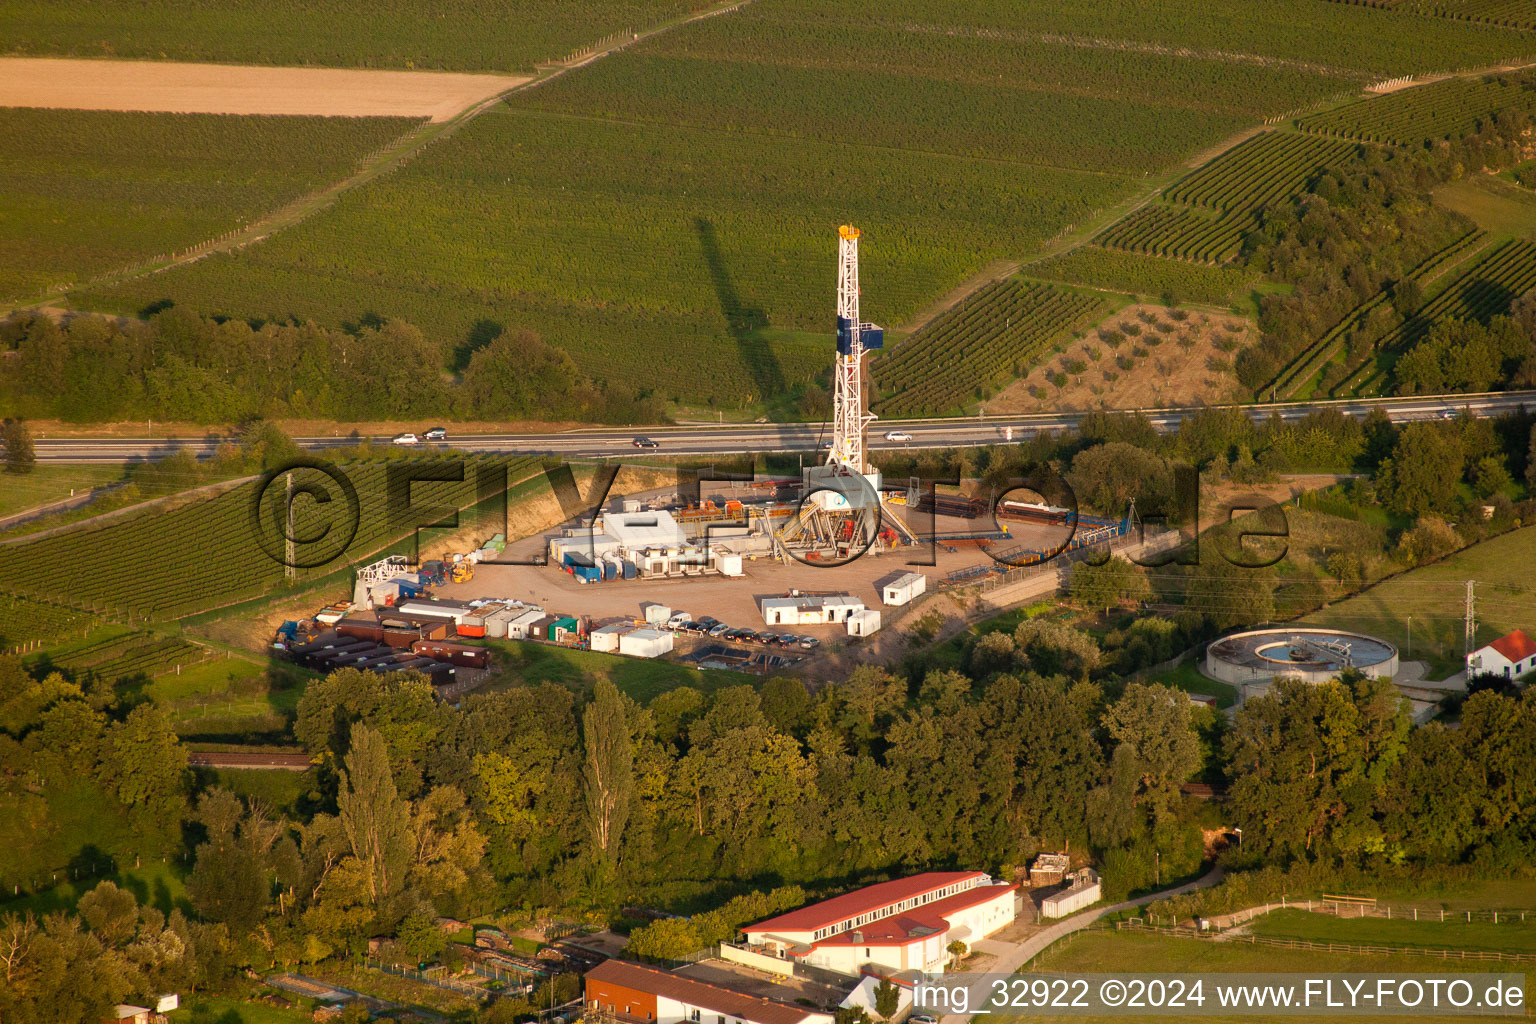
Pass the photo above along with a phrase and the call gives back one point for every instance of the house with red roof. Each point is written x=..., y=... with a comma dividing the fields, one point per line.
x=1510, y=656
x=629, y=993
x=906, y=924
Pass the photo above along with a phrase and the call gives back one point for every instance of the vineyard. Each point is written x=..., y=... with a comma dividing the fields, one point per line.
x=1204, y=216
x=24, y=621
x=976, y=347
x=133, y=655
x=207, y=554
x=1504, y=13
x=1425, y=113
x=665, y=214
x=172, y=180
x=1484, y=291
x=449, y=34
x=1291, y=382
x=662, y=260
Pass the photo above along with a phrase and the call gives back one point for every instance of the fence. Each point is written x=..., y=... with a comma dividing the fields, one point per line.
x=1136, y=924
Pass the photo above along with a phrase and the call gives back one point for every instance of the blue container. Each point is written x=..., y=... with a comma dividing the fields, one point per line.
x=587, y=573
x=629, y=570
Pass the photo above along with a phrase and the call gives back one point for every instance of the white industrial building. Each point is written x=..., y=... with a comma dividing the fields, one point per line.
x=809, y=609
x=903, y=588
x=903, y=925
x=606, y=638
x=1509, y=656
x=1082, y=892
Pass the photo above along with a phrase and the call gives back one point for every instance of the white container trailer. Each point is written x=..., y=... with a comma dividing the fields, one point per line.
x=904, y=588
x=657, y=614
x=728, y=564
x=518, y=628
x=1083, y=892
x=645, y=642
x=607, y=638
x=448, y=611
x=864, y=622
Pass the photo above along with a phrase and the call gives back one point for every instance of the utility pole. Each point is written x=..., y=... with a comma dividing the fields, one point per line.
x=1471, y=637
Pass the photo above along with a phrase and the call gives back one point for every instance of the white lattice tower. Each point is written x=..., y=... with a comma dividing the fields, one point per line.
x=850, y=416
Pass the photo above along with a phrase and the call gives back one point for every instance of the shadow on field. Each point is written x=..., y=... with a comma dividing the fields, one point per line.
x=743, y=321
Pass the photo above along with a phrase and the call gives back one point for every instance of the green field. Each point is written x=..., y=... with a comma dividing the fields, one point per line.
x=1492, y=203
x=641, y=678
x=1141, y=274
x=86, y=192
x=224, y=1010
x=667, y=213
x=153, y=884
x=50, y=483
x=1123, y=953
x=1434, y=597
x=1509, y=936
x=453, y=34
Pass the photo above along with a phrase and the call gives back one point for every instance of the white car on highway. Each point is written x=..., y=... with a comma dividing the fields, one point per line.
x=405, y=439
x=897, y=435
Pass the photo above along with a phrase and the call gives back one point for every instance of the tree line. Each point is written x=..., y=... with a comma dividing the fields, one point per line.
x=179, y=365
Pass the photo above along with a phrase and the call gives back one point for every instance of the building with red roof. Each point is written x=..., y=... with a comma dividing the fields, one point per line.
x=637, y=994
x=906, y=924
x=1511, y=655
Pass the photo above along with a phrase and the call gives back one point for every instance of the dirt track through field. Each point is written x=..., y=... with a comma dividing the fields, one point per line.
x=177, y=88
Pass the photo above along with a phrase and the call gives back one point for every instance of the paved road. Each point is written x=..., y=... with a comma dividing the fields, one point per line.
x=248, y=759
x=615, y=442
x=1023, y=952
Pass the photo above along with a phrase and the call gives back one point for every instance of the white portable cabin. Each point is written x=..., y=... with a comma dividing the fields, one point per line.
x=448, y=611
x=496, y=622
x=657, y=614
x=904, y=588
x=645, y=642
x=1083, y=892
x=606, y=638
x=728, y=564
x=518, y=628
x=863, y=622
x=806, y=610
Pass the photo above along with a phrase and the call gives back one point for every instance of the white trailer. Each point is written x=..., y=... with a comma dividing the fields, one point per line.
x=864, y=622
x=904, y=588
x=645, y=642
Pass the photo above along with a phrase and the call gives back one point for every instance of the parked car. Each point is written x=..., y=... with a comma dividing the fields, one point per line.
x=922, y=1018
x=645, y=442
x=737, y=634
x=405, y=439
x=708, y=621
x=809, y=642
x=694, y=627
x=826, y=446
x=897, y=435
x=677, y=620
x=436, y=434
x=719, y=629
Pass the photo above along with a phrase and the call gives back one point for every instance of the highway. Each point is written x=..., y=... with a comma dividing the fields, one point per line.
x=711, y=439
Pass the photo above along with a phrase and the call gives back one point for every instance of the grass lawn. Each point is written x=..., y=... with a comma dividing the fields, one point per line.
x=224, y=1010
x=1117, y=952
x=1434, y=598
x=48, y=483
x=280, y=791
x=1492, y=203
x=640, y=678
x=1186, y=676
x=1512, y=936
x=159, y=885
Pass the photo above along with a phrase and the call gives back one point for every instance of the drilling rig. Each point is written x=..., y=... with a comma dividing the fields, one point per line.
x=839, y=516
